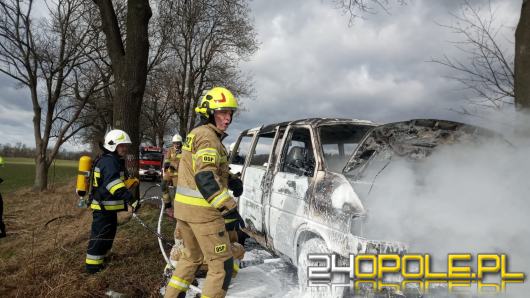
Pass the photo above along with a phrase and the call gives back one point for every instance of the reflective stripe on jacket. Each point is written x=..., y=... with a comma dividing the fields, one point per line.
x=108, y=188
x=195, y=198
x=202, y=152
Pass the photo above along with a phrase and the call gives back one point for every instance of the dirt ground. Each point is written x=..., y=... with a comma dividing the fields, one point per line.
x=43, y=257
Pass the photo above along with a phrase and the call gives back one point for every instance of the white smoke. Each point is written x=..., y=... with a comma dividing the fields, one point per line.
x=464, y=198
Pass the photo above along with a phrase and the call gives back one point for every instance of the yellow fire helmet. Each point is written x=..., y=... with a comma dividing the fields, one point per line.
x=218, y=98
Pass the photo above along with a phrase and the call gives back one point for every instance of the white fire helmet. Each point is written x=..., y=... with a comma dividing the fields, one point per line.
x=176, y=139
x=115, y=137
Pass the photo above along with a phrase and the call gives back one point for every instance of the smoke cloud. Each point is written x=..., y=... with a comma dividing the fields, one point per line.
x=464, y=198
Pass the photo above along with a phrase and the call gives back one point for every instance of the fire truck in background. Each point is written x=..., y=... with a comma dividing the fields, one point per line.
x=151, y=159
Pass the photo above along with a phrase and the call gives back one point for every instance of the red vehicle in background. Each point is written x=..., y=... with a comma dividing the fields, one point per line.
x=151, y=159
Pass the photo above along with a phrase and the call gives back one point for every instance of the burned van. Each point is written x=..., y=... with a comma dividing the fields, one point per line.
x=305, y=181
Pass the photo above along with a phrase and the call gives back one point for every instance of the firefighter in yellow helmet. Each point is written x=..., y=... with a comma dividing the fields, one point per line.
x=202, y=201
x=171, y=165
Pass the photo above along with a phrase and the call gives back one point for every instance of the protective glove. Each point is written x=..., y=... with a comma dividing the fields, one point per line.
x=233, y=219
x=166, y=166
x=236, y=186
x=227, y=206
x=131, y=182
x=135, y=205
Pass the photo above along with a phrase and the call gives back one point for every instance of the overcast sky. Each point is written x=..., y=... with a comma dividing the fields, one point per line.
x=312, y=64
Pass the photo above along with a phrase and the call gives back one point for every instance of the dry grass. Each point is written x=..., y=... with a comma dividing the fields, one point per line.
x=48, y=261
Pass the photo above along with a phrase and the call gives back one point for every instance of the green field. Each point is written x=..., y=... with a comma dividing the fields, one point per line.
x=20, y=172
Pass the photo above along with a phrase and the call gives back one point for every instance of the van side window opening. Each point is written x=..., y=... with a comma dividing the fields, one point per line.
x=262, y=150
x=339, y=142
x=299, y=157
x=241, y=152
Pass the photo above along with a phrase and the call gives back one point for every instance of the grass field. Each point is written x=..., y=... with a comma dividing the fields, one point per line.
x=44, y=252
x=20, y=172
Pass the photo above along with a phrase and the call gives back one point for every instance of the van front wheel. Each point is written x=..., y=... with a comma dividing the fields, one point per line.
x=314, y=246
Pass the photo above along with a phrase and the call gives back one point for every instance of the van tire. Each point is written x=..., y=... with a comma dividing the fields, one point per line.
x=313, y=245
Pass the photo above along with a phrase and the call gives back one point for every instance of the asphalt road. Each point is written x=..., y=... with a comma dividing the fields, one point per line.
x=152, y=189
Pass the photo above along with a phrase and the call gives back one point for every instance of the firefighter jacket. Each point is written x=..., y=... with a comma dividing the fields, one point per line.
x=202, y=192
x=108, y=188
x=172, y=159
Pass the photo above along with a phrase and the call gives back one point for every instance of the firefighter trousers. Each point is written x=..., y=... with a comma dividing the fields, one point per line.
x=203, y=241
x=104, y=224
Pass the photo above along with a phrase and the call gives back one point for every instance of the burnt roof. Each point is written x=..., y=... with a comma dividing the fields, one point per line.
x=310, y=121
x=324, y=121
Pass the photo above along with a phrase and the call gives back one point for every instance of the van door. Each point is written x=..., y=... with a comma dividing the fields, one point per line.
x=255, y=171
x=294, y=178
x=268, y=180
x=239, y=157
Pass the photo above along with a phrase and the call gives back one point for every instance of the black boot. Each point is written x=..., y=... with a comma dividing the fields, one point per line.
x=2, y=225
x=2, y=230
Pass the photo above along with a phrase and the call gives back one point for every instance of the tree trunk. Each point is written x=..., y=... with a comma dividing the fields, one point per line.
x=40, y=182
x=129, y=67
x=160, y=139
x=183, y=123
x=133, y=76
x=41, y=174
x=522, y=59
x=126, y=111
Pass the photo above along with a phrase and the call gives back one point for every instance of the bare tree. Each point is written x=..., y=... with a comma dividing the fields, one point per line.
x=48, y=57
x=488, y=67
x=522, y=59
x=98, y=112
x=97, y=115
x=206, y=40
x=129, y=54
x=356, y=8
x=158, y=112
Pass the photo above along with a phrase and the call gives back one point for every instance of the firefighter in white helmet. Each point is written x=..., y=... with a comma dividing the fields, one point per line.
x=108, y=195
x=171, y=166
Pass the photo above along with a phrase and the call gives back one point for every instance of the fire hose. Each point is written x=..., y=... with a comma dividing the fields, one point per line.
x=158, y=232
x=162, y=241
